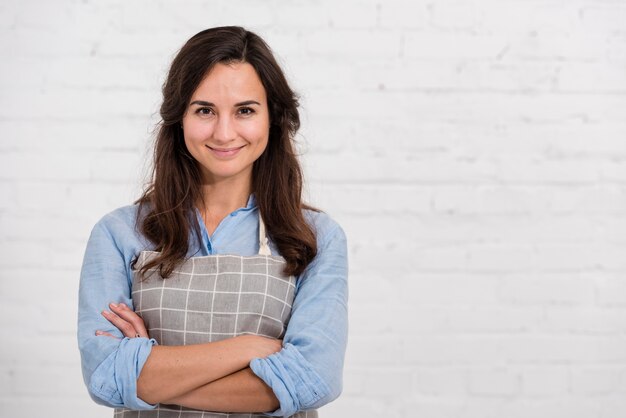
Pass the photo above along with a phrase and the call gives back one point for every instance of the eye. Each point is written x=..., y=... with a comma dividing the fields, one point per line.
x=204, y=111
x=246, y=111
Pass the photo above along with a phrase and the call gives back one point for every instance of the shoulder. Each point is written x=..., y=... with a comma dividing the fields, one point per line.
x=331, y=259
x=120, y=219
x=120, y=226
x=326, y=228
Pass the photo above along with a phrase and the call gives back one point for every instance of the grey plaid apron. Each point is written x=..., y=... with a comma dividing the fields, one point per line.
x=212, y=298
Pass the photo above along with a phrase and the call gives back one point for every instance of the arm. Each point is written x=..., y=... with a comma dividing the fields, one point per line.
x=110, y=366
x=241, y=391
x=194, y=366
x=127, y=371
x=307, y=372
x=190, y=366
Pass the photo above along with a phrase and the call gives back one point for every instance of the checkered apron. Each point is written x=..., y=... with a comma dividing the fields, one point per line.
x=212, y=298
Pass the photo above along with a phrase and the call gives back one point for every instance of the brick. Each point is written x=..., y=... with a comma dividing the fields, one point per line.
x=59, y=285
x=463, y=77
x=360, y=349
x=494, y=382
x=613, y=406
x=103, y=103
x=248, y=13
x=48, y=380
x=310, y=74
x=404, y=14
x=492, y=319
x=449, y=289
x=603, y=18
x=455, y=15
x=540, y=349
x=453, y=350
x=55, y=406
x=499, y=257
x=570, y=407
x=437, y=407
x=382, y=170
x=616, y=51
x=596, y=199
x=567, y=171
x=372, y=288
x=611, y=290
x=442, y=258
x=385, y=382
x=452, y=46
x=595, y=381
x=131, y=134
x=25, y=352
x=116, y=166
x=588, y=321
x=8, y=193
x=354, y=14
x=287, y=48
x=545, y=382
x=486, y=199
x=614, y=172
x=546, y=289
x=578, y=256
x=346, y=405
x=515, y=18
x=364, y=44
x=302, y=15
x=555, y=45
x=53, y=253
x=367, y=318
x=441, y=381
x=372, y=199
x=594, y=77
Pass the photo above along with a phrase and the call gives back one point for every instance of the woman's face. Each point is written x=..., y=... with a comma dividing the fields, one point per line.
x=226, y=126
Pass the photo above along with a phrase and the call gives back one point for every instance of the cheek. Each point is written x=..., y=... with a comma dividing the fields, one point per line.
x=257, y=133
x=195, y=134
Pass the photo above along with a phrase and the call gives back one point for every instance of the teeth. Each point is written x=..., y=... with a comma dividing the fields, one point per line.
x=224, y=150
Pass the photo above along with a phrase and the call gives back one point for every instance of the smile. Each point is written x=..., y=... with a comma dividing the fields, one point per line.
x=225, y=152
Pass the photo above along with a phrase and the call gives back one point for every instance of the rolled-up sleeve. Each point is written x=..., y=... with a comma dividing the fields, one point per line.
x=110, y=366
x=307, y=373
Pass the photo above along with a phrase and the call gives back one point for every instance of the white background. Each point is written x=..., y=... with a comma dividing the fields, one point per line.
x=473, y=151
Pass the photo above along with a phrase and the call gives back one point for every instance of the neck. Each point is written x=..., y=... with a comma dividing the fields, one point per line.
x=222, y=198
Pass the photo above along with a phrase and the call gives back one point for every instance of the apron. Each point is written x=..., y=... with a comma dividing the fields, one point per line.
x=212, y=298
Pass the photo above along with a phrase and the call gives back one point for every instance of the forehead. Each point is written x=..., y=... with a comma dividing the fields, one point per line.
x=233, y=81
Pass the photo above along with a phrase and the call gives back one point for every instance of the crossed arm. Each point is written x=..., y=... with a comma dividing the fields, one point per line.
x=305, y=373
x=212, y=376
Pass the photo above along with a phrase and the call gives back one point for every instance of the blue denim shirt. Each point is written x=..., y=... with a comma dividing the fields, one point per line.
x=305, y=374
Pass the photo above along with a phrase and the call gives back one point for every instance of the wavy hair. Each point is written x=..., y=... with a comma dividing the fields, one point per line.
x=166, y=214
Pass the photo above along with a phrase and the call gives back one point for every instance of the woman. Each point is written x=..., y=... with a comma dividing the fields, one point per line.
x=219, y=290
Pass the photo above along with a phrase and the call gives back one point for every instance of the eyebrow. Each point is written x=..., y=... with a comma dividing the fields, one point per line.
x=244, y=103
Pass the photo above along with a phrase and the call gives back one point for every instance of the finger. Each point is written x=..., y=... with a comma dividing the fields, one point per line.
x=124, y=312
x=126, y=327
x=106, y=334
x=130, y=316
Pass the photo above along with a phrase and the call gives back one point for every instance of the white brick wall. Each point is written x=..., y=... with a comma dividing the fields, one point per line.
x=474, y=151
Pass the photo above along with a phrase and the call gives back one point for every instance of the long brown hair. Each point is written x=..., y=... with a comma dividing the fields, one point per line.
x=166, y=214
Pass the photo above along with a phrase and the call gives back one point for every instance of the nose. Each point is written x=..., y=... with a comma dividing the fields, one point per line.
x=224, y=130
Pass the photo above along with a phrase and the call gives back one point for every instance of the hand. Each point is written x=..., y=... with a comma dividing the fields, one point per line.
x=262, y=346
x=126, y=320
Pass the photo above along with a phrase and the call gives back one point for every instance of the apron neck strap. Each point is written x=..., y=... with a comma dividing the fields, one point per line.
x=264, y=248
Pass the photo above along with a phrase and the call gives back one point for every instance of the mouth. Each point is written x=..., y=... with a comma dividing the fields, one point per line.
x=225, y=152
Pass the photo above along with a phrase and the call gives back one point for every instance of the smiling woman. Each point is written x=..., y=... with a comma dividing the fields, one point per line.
x=219, y=291
x=227, y=124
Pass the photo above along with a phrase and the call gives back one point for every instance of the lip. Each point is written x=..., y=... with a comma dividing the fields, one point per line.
x=225, y=152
